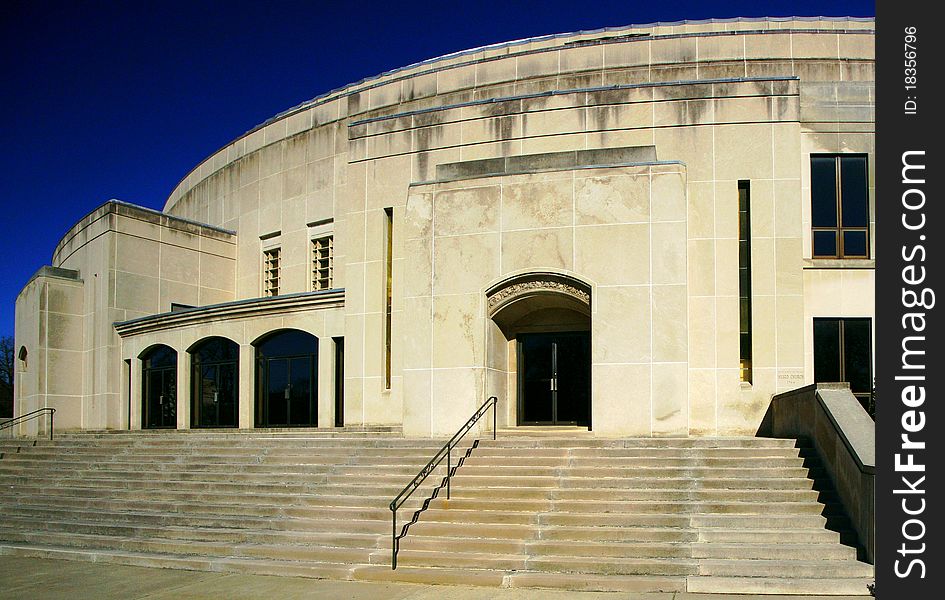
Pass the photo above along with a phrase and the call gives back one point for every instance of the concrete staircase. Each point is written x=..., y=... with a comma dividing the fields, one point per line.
x=728, y=515
x=700, y=515
x=292, y=503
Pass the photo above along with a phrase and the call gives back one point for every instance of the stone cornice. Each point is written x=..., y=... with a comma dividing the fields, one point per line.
x=240, y=309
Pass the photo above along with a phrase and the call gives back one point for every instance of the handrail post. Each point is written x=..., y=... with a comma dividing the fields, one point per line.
x=449, y=469
x=393, y=539
x=495, y=410
x=52, y=420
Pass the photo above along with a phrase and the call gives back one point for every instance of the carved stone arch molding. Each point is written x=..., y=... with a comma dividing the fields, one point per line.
x=511, y=301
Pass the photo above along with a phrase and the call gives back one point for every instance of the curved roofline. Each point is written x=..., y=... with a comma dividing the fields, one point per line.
x=541, y=38
x=340, y=91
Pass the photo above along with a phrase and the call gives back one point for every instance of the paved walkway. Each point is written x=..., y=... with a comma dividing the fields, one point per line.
x=46, y=579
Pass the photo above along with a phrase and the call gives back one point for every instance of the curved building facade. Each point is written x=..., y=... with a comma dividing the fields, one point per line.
x=644, y=231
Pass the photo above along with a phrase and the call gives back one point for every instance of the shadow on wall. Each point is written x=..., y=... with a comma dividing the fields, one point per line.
x=844, y=436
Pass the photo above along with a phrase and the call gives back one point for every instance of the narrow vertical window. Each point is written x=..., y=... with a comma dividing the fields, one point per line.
x=744, y=279
x=128, y=388
x=389, y=270
x=271, y=272
x=339, y=381
x=322, y=263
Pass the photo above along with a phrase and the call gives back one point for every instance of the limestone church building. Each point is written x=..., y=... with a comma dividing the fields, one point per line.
x=643, y=231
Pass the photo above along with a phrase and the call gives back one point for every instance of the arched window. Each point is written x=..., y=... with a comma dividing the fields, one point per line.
x=159, y=388
x=214, y=398
x=287, y=379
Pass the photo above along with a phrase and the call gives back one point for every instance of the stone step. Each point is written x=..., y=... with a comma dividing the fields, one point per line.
x=470, y=560
x=607, y=454
x=293, y=552
x=642, y=477
x=495, y=488
x=316, y=496
x=293, y=449
x=664, y=532
x=522, y=579
x=602, y=565
x=790, y=536
x=249, y=470
x=771, y=546
x=206, y=476
x=470, y=521
x=385, y=489
x=337, y=520
x=318, y=570
x=754, y=523
x=228, y=535
x=664, y=529
x=570, y=442
x=257, y=463
x=641, y=467
x=805, y=569
x=52, y=469
x=578, y=507
x=755, y=503
x=794, y=585
x=571, y=462
x=284, y=442
x=103, y=487
x=761, y=549
x=196, y=509
x=776, y=495
x=35, y=459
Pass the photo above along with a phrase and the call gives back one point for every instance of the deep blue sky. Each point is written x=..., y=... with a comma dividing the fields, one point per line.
x=121, y=99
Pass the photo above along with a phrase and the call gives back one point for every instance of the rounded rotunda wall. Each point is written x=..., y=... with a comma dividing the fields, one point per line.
x=315, y=130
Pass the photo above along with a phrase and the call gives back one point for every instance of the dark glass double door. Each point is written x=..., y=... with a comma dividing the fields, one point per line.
x=554, y=378
x=843, y=352
x=160, y=398
x=290, y=392
x=216, y=399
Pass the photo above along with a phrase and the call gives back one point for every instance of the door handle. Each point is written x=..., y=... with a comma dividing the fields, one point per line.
x=287, y=391
x=215, y=395
x=161, y=399
x=554, y=384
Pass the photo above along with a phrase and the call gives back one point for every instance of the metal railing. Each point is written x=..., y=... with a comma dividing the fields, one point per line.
x=445, y=452
x=33, y=415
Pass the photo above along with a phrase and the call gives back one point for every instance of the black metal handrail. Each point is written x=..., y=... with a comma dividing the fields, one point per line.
x=33, y=415
x=445, y=452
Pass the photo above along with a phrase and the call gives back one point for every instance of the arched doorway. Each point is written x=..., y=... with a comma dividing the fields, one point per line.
x=547, y=317
x=287, y=379
x=159, y=388
x=214, y=397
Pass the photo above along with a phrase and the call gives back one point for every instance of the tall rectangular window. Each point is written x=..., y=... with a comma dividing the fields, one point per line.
x=839, y=191
x=389, y=272
x=271, y=272
x=744, y=279
x=843, y=352
x=323, y=263
x=339, y=381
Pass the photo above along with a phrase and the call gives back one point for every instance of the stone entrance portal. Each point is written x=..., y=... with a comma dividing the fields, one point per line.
x=546, y=320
